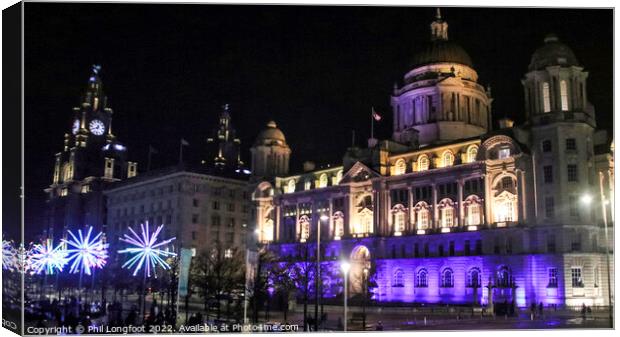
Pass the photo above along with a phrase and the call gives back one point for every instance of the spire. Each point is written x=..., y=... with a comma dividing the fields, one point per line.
x=94, y=96
x=439, y=28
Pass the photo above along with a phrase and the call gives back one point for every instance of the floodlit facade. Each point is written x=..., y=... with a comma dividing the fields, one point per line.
x=451, y=210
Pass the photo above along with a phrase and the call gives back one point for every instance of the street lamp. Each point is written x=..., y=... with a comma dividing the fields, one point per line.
x=345, y=266
x=365, y=297
x=587, y=200
x=317, y=278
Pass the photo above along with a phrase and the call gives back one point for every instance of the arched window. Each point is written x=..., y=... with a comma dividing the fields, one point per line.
x=267, y=232
x=399, y=219
x=447, y=213
x=474, y=278
x=473, y=209
x=338, y=225
x=422, y=216
x=564, y=95
x=400, y=167
x=397, y=281
x=291, y=186
x=304, y=228
x=447, y=279
x=67, y=172
x=336, y=179
x=422, y=279
x=504, y=277
x=423, y=163
x=323, y=180
x=447, y=159
x=472, y=152
x=546, y=97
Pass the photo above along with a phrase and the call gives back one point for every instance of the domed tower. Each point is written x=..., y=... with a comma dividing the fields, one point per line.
x=561, y=124
x=441, y=99
x=555, y=86
x=270, y=153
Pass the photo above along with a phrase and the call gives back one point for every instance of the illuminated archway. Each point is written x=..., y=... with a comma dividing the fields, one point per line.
x=360, y=260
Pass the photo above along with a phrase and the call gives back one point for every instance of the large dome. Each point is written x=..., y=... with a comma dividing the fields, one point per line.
x=442, y=51
x=553, y=53
x=271, y=134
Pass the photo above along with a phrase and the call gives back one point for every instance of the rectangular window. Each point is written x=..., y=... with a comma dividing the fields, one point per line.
x=546, y=146
x=231, y=207
x=575, y=244
x=195, y=202
x=504, y=153
x=573, y=205
x=230, y=237
x=553, y=278
x=416, y=250
x=571, y=144
x=546, y=97
x=564, y=95
x=193, y=235
x=215, y=220
x=427, y=250
x=216, y=205
x=440, y=250
x=548, y=174
x=576, y=279
x=549, y=207
x=478, y=247
x=467, y=248
x=551, y=243
x=571, y=171
x=194, y=218
x=451, y=251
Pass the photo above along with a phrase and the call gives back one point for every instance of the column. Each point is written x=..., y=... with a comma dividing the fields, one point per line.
x=347, y=215
x=435, y=210
x=461, y=221
x=410, y=223
x=520, y=197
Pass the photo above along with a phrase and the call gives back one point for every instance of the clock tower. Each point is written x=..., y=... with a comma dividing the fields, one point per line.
x=91, y=159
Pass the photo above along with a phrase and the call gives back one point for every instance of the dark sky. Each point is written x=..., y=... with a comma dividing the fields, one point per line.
x=316, y=70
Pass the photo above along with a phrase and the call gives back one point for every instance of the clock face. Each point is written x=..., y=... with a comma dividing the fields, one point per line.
x=96, y=127
x=76, y=126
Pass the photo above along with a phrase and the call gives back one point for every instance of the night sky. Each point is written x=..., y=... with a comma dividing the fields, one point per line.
x=316, y=71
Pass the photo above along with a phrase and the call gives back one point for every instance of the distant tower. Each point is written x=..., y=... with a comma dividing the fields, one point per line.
x=223, y=148
x=441, y=99
x=91, y=159
x=561, y=123
x=270, y=153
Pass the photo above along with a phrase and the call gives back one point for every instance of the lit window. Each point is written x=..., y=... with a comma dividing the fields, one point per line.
x=472, y=152
x=400, y=167
x=503, y=153
x=546, y=97
x=228, y=253
x=304, y=228
x=291, y=186
x=564, y=95
x=267, y=232
x=447, y=216
x=423, y=163
x=85, y=189
x=448, y=159
x=399, y=222
x=338, y=225
x=63, y=192
x=323, y=180
x=307, y=184
x=576, y=279
x=473, y=214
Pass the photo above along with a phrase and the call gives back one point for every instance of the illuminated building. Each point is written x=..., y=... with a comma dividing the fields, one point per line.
x=450, y=210
x=90, y=161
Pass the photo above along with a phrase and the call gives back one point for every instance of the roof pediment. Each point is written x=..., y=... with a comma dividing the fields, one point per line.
x=359, y=173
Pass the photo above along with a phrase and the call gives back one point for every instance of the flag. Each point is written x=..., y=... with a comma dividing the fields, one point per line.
x=375, y=115
x=184, y=263
x=152, y=150
x=184, y=142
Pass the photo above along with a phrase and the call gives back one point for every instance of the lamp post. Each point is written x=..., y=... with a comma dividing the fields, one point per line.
x=587, y=200
x=317, y=274
x=365, y=297
x=345, y=266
